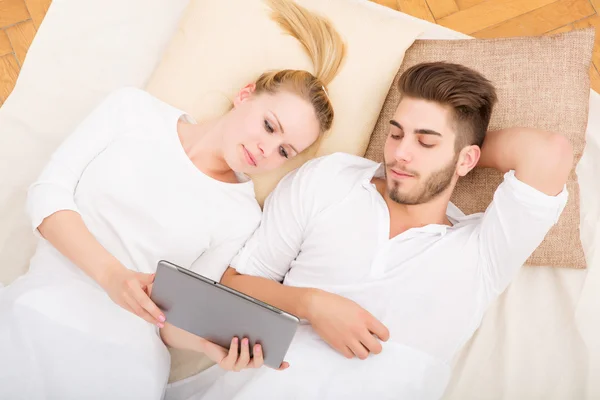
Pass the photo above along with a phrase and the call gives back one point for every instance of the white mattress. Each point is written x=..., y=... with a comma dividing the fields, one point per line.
x=541, y=339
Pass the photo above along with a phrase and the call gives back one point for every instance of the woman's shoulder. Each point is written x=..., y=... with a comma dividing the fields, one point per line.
x=136, y=101
x=126, y=94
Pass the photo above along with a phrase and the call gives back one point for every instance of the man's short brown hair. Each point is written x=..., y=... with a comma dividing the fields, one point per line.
x=470, y=95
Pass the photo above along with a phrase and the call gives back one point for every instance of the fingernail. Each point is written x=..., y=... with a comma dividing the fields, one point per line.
x=235, y=340
x=161, y=325
x=245, y=342
x=257, y=349
x=161, y=318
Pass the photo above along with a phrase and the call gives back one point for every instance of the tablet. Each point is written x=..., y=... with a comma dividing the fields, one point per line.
x=217, y=313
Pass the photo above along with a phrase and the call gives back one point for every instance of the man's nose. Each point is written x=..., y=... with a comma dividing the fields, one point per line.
x=403, y=151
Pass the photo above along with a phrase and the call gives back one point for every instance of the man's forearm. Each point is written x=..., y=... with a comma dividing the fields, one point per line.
x=293, y=300
x=506, y=149
x=539, y=158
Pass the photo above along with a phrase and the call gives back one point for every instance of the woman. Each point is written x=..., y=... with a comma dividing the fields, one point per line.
x=139, y=181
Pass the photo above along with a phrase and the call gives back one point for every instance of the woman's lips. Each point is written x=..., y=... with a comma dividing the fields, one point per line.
x=249, y=158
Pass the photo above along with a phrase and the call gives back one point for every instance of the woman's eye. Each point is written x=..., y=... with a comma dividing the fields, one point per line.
x=396, y=137
x=428, y=146
x=282, y=152
x=268, y=127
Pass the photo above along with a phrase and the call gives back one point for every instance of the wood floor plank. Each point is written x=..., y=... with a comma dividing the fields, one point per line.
x=5, y=47
x=12, y=12
x=21, y=36
x=540, y=21
x=489, y=13
x=38, y=9
x=416, y=8
x=464, y=4
x=593, y=21
x=442, y=8
x=393, y=4
x=595, y=78
x=9, y=70
x=562, y=29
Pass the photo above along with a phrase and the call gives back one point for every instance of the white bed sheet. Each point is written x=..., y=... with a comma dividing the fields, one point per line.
x=540, y=340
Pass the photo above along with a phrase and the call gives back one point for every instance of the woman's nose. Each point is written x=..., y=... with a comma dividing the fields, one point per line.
x=268, y=147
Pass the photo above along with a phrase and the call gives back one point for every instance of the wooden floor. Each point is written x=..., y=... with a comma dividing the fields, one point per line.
x=20, y=19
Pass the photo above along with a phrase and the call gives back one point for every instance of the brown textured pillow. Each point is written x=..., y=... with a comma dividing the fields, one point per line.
x=542, y=82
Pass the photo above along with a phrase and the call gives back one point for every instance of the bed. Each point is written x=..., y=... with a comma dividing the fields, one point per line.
x=541, y=339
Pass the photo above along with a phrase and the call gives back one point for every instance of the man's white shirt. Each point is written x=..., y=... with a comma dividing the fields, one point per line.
x=326, y=226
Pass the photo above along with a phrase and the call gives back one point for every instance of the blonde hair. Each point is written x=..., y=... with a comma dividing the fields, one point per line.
x=325, y=48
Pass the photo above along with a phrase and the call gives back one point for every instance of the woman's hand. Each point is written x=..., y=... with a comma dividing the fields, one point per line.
x=67, y=232
x=131, y=290
x=231, y=360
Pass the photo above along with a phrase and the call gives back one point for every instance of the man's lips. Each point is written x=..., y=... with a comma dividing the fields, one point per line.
x=249, y=157
x=401, y=174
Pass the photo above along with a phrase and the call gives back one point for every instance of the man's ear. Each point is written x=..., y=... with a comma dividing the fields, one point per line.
x=244, y=94
x=468, y=159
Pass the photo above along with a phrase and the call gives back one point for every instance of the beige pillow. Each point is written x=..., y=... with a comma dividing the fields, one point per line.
x=542, y=82
x=221, y=45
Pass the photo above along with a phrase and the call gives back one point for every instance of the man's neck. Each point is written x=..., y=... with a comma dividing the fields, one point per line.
x=404, y=217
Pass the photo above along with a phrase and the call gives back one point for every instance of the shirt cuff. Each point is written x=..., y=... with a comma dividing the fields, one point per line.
x=241, y=262
x=535, y=198
x=246, y=263
x=44, y=201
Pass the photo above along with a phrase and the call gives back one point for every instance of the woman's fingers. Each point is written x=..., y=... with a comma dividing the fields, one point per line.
x=148, y=305
x=135, y=308
x=257, y=356
x=258, y=359
x=244, y=358
x=284, y=365
x=229, y=361
x=238, y=360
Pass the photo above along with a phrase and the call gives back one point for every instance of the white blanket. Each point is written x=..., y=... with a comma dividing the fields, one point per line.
x=541, y=339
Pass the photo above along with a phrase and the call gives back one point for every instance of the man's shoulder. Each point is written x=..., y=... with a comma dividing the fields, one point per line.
x=337, y=165
x=330, y=178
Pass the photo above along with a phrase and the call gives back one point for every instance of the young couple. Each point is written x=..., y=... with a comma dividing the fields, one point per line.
x=390, y=277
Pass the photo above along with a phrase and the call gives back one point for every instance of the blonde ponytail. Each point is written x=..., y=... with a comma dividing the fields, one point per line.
x=325, y=48
x=321, y=41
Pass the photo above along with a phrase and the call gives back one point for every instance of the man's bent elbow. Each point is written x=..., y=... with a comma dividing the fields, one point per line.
x=555, y=161
x=559, y=157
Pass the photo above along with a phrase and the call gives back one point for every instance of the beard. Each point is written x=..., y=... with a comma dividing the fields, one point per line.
x=433, y=186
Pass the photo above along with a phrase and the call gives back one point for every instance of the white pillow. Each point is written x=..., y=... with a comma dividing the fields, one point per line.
x=82, y=52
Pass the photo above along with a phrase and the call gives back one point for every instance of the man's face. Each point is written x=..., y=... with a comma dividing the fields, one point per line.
x=419, y=155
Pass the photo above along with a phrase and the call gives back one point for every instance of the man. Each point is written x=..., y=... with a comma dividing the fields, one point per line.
x=391, y=276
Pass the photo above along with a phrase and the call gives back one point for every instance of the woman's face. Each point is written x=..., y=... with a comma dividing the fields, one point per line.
x=263, y=131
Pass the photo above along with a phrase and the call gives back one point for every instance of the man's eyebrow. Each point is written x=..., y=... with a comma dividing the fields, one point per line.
x=418, y=131
x=428, y=132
